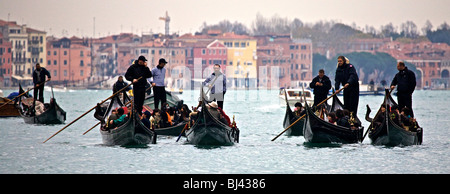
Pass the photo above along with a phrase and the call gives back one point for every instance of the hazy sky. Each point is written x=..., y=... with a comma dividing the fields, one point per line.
x=75, y=17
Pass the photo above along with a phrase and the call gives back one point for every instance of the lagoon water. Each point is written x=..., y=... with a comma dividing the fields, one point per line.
x=259, y=116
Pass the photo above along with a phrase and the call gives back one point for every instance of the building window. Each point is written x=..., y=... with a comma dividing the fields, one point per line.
x=65, y=62
x=65, y=52
x=303, y=47
x=236, y=44
x=54, y=53
x=55, y=62
x=65, y=73
x=243, y=44
x=81, y=73
x=203, y=51
x=81, y=53
x=54, y=73
x=144, y=51
x=81, y=63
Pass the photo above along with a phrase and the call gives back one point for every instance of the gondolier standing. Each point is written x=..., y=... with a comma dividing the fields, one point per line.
x=347, y=76
x=159, y=88
x=134, y=72
x=39, y=81
x=405, y=80
x=217, y=83
x=321, y=85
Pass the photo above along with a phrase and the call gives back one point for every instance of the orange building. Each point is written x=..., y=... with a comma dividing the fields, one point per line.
x=68, y=60
x=431, y=59
x=5, y=62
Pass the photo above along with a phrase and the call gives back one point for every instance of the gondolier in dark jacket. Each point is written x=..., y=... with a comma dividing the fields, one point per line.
x=159, y=87
x=347, y=76
x=321, y=85
x=39, y=81
x=217, y=83
x=134, y=72
x=405, y=80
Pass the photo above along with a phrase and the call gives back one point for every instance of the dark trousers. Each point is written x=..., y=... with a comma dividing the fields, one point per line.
x=318, y=98
x=139, y=97
x=159, y=93
x=405, y=100
x=39, y=89
x=351, y=100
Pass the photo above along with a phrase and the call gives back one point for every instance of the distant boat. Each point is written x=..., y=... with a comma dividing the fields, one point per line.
x=295, y=95
x=8, y=110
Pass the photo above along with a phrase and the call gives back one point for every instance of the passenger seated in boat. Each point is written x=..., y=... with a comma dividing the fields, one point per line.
x=225, y=116
x=332, y=117
x=113, y=116
x=184, y=113
x=379, y=119
x=321, y=111
x=213, y=109
x=299, y=110
x=173, y=115
x=117, y=122
x=342, y=120
x=166, y=120
x=145, y=119
x=395, y=115
x=39, y=108
x=408, y=122
x=156, y=118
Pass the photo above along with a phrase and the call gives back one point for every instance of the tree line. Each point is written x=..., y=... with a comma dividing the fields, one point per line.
x=331, y=31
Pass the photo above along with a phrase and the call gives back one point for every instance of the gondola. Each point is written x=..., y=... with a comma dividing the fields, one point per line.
x=172, y=100
x=317, y=130
x=131, y=132
x=53, y=113
x=289, y=118
x=389, y=133
x=8, y=110
x=208, y=130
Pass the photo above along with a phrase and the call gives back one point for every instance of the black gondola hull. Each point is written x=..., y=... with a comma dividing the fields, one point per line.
x=316, y=130
x=53, y=115
x=297, y=128
x=390, y=134
x=208, y=130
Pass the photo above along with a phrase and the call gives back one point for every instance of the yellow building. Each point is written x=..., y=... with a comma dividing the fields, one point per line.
x=241, y=59
x=37, y=49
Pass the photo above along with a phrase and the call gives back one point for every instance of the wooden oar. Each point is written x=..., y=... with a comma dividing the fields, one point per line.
x=84, y=114
x=20, y=95
x=305, y=114
x=179, y=136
